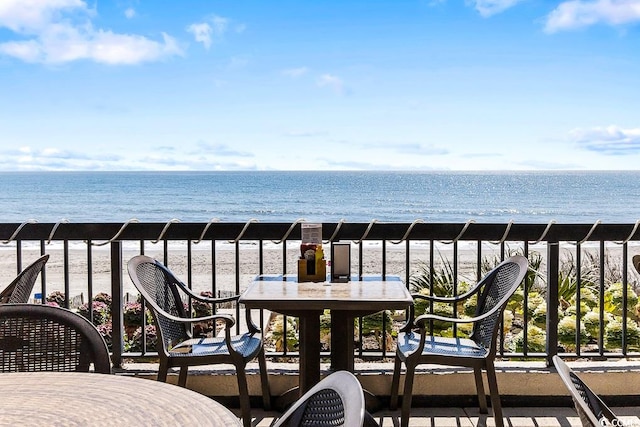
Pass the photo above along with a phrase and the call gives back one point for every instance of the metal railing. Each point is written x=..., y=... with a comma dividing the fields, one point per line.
x=462, y=251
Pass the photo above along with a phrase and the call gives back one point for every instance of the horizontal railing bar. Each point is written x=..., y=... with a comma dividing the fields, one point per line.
x=346, y=231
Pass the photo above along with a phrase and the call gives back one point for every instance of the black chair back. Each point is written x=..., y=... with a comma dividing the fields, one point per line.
x=36, y=337
x=19, y=290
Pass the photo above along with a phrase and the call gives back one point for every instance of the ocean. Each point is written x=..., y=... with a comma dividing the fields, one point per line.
x=270, y=196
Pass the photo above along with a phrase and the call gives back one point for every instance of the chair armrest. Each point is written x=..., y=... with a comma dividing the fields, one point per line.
x=420, y=320
x=436, y=298
x=203, y=298
x=410, y=323
x=450, y=299
x=251, y=326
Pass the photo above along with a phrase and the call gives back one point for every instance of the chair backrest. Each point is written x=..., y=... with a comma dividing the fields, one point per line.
x=337, y=400
x=636, y=262
x=496, y=288
x=19, y=290
x=35, y=337
x=591, y=409
x=158, y=286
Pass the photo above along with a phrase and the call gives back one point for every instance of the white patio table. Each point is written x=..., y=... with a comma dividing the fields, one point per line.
x=91, y=399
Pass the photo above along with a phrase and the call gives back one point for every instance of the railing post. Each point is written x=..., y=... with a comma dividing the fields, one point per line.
x=117, y=303
x=553, y=264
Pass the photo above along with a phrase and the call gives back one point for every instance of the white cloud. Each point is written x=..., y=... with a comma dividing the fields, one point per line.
x=211, y=30
x=607, y=140
x=202, y=33
x=579, y=13
x=31, y=16
x=130, y=13
x=333, y=82
x=295, y=72
x=488, y=8
x=204, y=157
x=60, y=31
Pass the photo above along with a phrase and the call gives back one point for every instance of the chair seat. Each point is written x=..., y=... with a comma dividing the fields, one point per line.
x=442, y=346
x=246, y=344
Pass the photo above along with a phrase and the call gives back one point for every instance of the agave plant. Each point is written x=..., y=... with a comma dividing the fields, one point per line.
x=438, y=281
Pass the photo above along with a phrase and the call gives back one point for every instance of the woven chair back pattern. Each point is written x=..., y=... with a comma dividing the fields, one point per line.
x=161, y=289
x=19, y=290
x=496, y=287
x=37, y=338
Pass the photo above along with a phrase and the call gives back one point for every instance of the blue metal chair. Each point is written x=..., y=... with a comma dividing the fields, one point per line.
x=177, y=347
x=478, y=351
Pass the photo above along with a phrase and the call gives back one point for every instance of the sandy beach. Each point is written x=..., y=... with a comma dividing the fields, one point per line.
x=247, y=263
x=202, y=271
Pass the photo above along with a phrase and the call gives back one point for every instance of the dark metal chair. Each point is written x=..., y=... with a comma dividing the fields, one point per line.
x=35, y=337
x=478, y=351
x=590, y=408
x=337, y=400
x=177, y=347
x=636, y=262
x=19, y=290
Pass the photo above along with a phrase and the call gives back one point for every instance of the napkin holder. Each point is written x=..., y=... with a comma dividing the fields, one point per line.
x=312, y=270
x=340, y=262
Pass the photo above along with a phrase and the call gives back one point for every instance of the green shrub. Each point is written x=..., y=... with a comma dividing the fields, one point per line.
x=469, y=307
x=613, y=299
x=440, y=309
x=516, y=302
x=567, y=331
x=536, y=340
x=290, y=342
x=539, y=316
x=533, y=302
x=591, y=321
x=613, y=333
x=571, y=310
x=587, y=296
x=372, y=324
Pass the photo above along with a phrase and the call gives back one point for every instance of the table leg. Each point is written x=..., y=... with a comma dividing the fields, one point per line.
x=342, y=347
x=341, y=341
x=309, y=351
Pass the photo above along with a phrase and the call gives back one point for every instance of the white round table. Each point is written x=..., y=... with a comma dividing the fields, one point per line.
x=86, y=399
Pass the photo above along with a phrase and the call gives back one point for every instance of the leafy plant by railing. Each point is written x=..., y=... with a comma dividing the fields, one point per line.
x=579, y=323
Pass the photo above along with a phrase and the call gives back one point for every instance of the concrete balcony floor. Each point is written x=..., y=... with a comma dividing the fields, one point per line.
x=469, y=417
x=533, y=394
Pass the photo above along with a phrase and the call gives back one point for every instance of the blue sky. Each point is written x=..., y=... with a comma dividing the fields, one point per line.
x=322, y=85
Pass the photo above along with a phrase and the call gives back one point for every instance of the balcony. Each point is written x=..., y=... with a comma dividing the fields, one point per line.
x=87, y=261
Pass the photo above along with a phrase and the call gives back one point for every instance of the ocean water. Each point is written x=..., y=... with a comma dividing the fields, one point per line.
x=488, y=197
